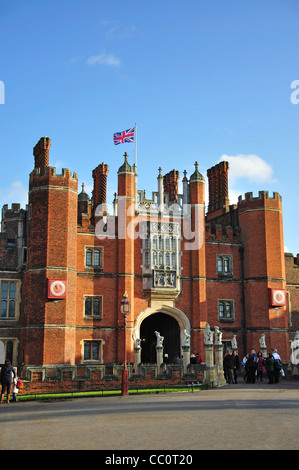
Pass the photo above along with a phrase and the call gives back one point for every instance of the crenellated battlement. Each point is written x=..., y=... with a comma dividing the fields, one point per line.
x=263, y=200
x=262, y=196
x=218, y=232
x=47, y=176
x=51, y=171
x=14, y=209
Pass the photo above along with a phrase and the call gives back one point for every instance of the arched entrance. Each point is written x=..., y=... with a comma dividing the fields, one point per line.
x=168, y=327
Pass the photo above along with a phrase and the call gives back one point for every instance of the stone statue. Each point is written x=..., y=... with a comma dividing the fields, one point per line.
x=186, y=338
x=295, y=349
x=208, y=335
x=160, y=339
x=137, y=341
x=234, y=342
x=262, y=341
x=218, y=336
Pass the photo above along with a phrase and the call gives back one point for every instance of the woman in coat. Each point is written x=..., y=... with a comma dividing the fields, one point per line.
x=260, y=366
x=7, y=372
x=269, y=364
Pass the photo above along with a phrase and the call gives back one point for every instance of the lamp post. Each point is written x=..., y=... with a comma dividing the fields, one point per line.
x=125, y=308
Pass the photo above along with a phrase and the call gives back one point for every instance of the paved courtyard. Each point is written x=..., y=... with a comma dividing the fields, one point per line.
x=231, y=417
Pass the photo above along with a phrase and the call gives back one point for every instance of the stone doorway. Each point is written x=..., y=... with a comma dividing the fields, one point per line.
x=168, y=327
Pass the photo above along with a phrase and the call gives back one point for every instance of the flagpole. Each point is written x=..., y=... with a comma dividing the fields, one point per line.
x=135, y=176
x=135, y=146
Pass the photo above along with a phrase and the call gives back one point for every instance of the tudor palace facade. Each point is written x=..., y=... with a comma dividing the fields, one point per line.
x=66, y=262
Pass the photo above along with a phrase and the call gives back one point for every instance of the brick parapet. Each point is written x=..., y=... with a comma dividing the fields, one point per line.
x=43, y=178
x=104, y=377
x=221, y=233
x=262, y=200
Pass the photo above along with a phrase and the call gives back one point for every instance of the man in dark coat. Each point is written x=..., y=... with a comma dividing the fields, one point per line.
x=6, y=379
x=251, y=367
x=229, y=365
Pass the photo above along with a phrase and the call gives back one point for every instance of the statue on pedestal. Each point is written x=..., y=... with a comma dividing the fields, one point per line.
x=160, y=339
x=186, y=338
x=208, y=335
x=218, y=336
x=262, y=342
x=137, y=341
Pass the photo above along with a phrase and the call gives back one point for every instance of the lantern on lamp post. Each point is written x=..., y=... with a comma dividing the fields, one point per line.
x=125, y=308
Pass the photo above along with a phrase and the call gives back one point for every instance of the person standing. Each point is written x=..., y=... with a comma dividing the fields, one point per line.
x=251, y=367
x=244, y=363
x=230, y=365
x=236, y=367
x=269, y=364
x=198, y=358
x=260, y=366
x=6, y=379
x=277, y=365
x=193, y=359
x=166, y=359
x=15, y=390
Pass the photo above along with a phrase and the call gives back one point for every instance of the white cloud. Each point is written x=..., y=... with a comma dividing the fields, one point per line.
x=15, y=193
x=109, y=60
x=250, y=166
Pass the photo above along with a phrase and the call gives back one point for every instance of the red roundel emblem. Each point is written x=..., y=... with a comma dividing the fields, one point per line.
x=277, y=297
x=56, y=288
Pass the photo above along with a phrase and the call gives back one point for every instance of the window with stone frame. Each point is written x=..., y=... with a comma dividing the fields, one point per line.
x=224, y=265
x=93, y=306
x=226, y=311
x=161, y=254
x=92, y=351
x=94, y=257
x=9, y=299
x=9, y=348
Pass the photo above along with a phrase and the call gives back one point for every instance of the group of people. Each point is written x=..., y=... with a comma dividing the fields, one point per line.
x=175, y=360
x=9, y=381
x=194, y=359
x=231, y=366
x=255, y=365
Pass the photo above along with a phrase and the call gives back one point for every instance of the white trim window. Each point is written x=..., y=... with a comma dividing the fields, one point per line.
x=226, y=310
x=93, y=257
x=224, y=265
x=161, y=254
x=93, y=306
x=93, y=350
x=9, y=299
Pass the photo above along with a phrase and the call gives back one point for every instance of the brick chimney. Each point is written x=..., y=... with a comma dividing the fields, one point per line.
x=171, y=183
x=41, y=153
x=218, y=186
x=99, y=175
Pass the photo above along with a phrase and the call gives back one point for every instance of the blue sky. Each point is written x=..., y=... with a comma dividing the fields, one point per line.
x=203, y=80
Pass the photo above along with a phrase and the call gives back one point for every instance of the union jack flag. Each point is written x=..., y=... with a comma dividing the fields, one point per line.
x=124, y=136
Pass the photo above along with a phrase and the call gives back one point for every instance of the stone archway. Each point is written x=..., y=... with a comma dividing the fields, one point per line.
x=168, y=328
x=170, y=322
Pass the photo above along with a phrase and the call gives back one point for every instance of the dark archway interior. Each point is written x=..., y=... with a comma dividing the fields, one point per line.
x=167, y=327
